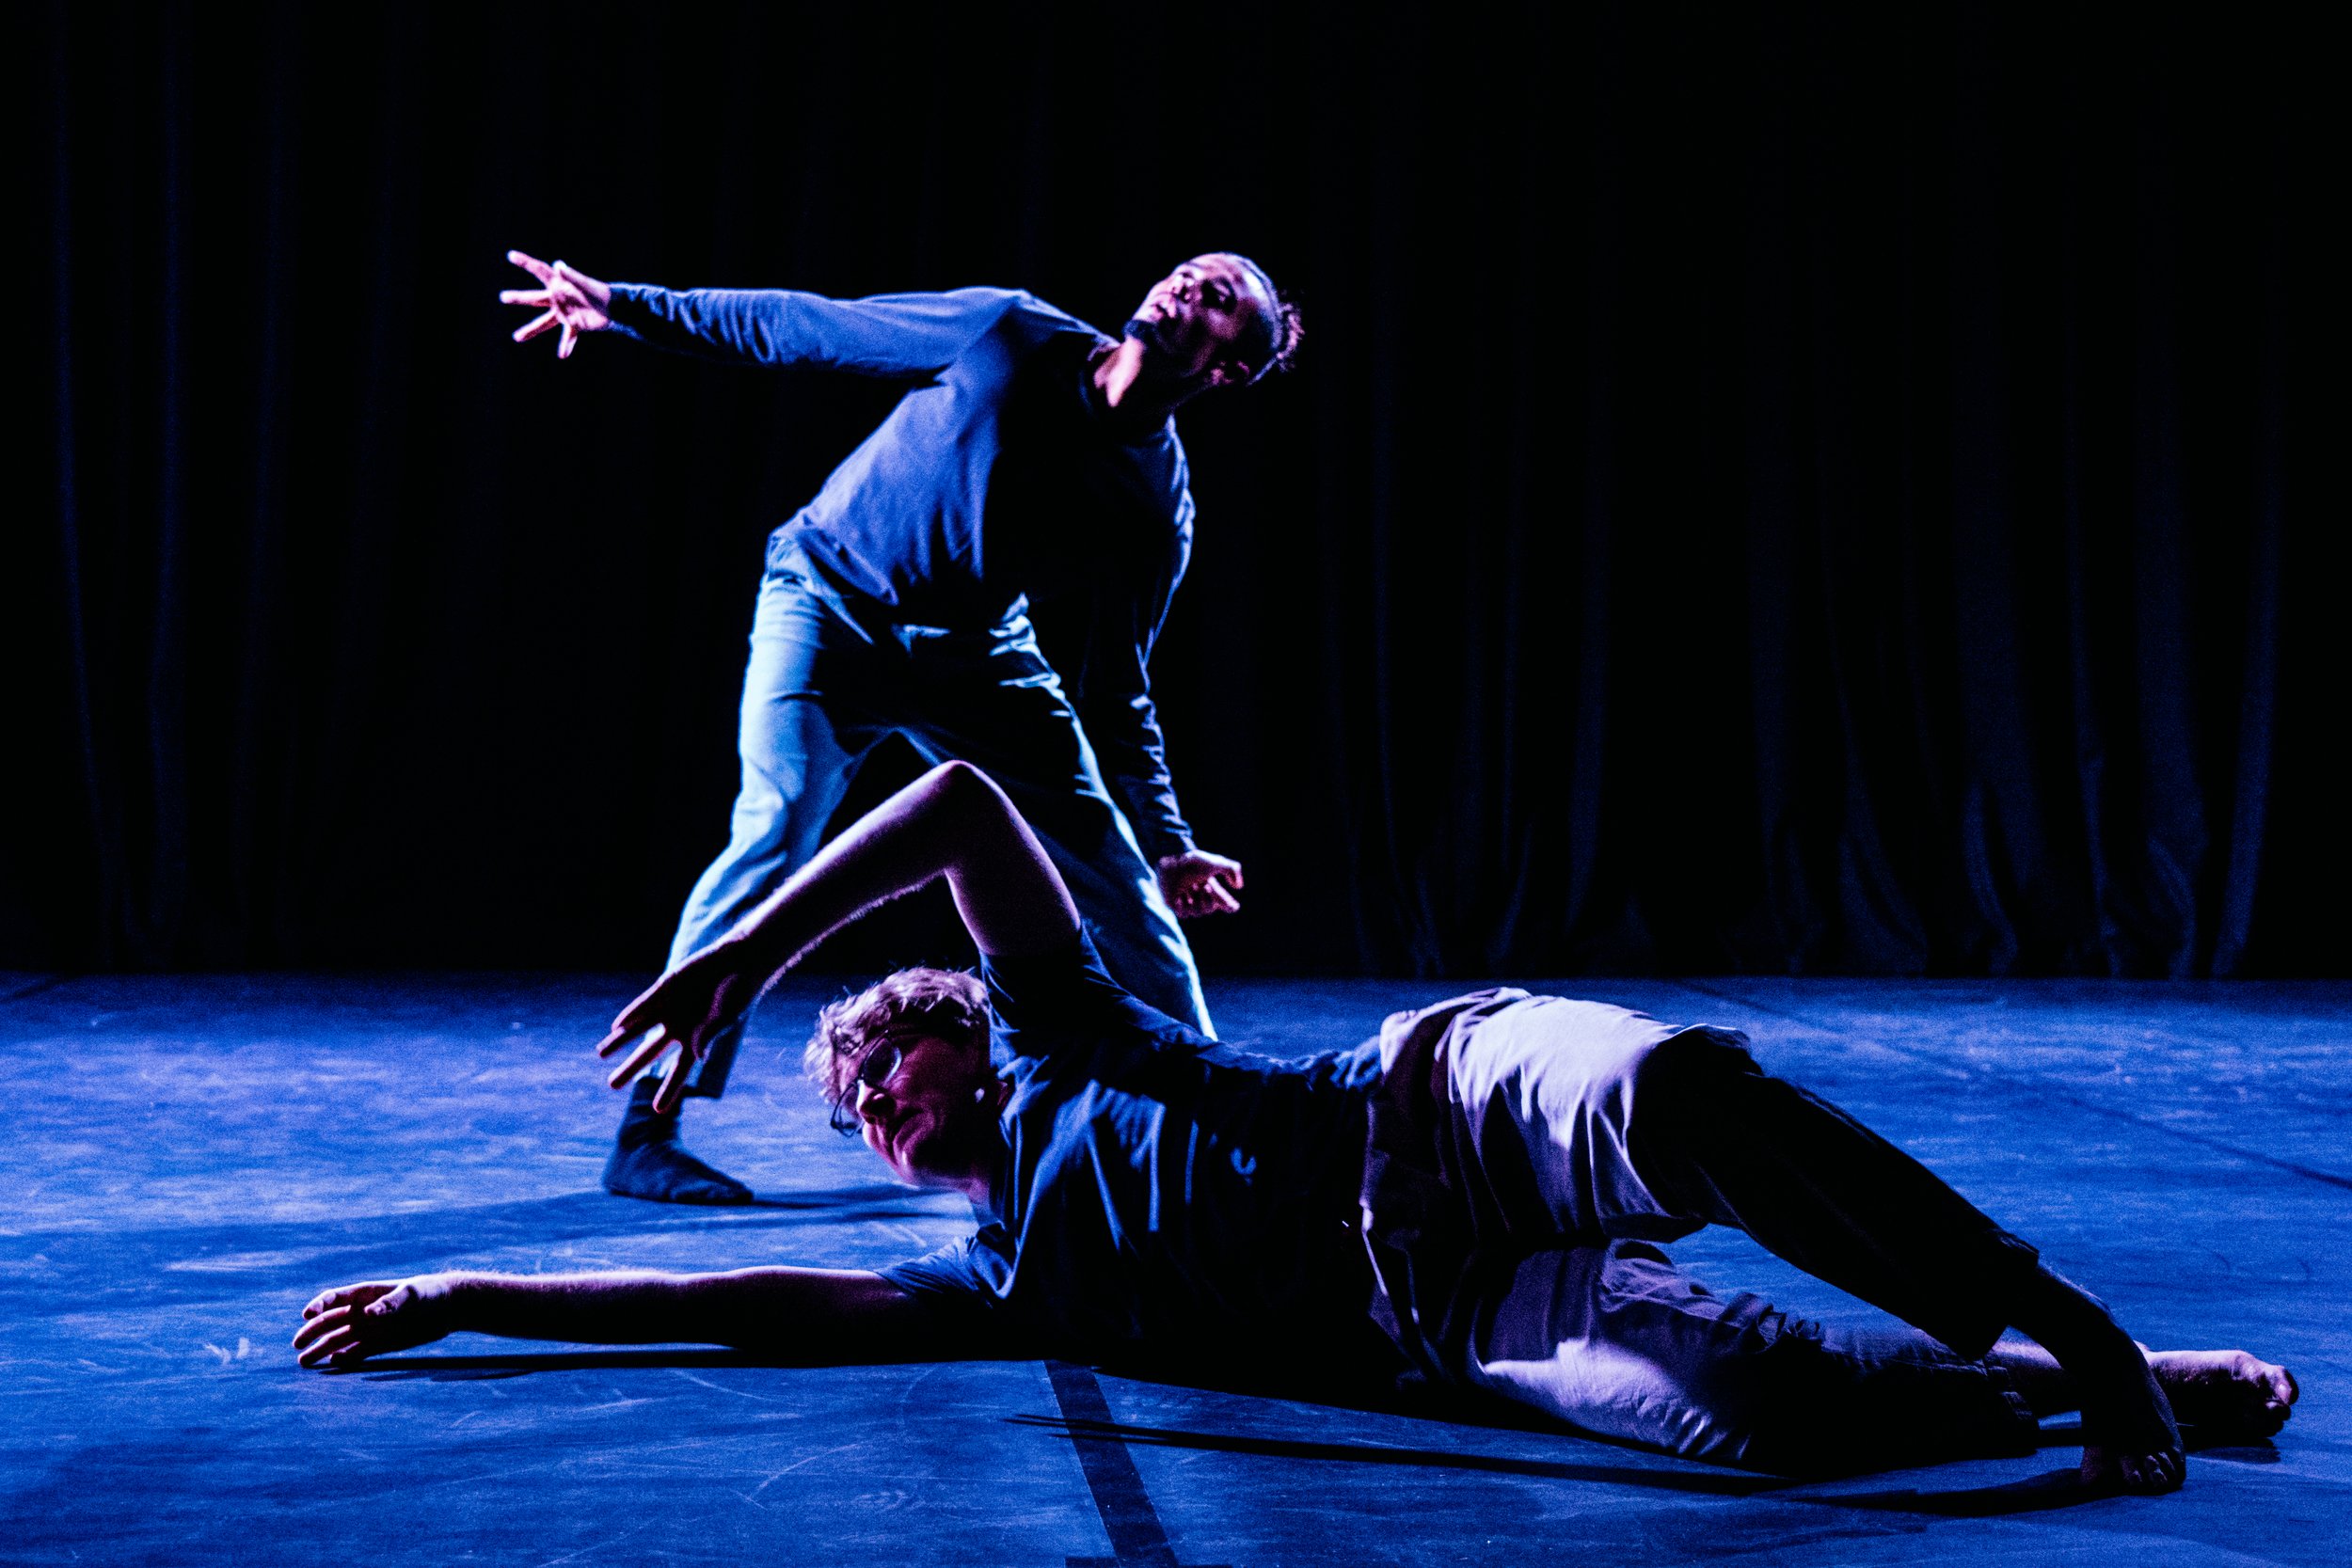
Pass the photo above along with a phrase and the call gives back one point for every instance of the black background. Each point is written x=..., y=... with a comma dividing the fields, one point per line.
x=1767, y=489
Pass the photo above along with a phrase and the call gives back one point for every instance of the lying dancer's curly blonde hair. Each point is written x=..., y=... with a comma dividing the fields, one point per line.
x=944, y=1003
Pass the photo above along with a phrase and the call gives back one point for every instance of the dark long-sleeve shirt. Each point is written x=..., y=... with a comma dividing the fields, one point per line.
x=1159, y=1193
x=992, y=482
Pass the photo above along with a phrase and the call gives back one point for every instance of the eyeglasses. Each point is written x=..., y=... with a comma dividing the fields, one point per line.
x=873, y=1071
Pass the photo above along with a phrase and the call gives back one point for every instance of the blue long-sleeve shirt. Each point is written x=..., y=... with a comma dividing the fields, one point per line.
x=992, y=482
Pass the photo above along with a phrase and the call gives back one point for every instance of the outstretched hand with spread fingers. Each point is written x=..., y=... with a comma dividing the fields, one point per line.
x=567, y=298
x=688, y=1008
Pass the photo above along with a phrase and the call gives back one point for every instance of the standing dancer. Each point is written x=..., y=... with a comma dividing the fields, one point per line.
x=1033, y=462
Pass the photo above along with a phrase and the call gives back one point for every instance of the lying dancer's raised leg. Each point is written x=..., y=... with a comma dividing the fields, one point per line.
x=1718, y=1140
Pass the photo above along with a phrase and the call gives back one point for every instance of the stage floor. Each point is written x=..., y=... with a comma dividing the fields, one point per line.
x=188, y=1159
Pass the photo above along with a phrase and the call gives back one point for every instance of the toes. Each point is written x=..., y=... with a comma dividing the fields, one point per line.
x=2136, y=1475
x=2264, y=1396
x=2227, y=1390
x=2149, y=1475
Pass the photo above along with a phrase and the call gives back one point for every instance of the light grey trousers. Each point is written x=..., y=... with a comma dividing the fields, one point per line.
x=1568, y=1137
x=1618, y=1341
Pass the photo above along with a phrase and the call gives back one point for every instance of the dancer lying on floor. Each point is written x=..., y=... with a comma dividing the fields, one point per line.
x=1483, y=1182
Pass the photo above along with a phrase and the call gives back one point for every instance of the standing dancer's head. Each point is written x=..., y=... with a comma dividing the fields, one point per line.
x=1216, y=321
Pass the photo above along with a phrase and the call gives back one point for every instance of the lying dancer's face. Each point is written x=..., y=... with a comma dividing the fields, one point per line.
x=931, y=1117
x=1198, y=318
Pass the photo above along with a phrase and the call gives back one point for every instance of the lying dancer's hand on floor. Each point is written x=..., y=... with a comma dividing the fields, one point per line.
x=352, y=1323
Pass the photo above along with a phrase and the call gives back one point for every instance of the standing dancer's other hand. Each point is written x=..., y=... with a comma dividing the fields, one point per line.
x=568, y=298
x=1196, y=882
x=686, y=1008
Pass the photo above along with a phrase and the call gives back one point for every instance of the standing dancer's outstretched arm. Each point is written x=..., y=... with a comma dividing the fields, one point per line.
x=887, y=335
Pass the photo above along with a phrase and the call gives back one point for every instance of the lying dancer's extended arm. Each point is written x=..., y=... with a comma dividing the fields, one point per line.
x=819, y=1315
x=952, y=822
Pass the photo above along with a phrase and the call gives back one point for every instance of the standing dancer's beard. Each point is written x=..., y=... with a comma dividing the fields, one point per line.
x=1156, y=376
x=1148, y=333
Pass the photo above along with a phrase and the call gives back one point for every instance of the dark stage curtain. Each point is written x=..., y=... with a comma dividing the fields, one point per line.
x=1767, y=489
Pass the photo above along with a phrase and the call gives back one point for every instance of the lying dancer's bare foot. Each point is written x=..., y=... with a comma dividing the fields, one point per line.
x=2130, y=1443
x=2225, y=1393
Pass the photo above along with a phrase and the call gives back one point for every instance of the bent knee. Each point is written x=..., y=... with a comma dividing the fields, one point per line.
x=1695, y=1075
x=1701, y=1054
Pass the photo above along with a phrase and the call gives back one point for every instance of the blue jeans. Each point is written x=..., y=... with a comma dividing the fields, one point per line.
x=825, y=686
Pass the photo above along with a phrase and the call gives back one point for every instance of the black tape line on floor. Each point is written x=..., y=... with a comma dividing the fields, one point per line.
x=46, y=982
x=1138, y=1538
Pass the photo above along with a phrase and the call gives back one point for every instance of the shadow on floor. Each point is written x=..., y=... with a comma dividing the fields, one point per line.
x=1714, y=1482
x=2034, y=1495
x=487, y=1369
x=2053, y=1489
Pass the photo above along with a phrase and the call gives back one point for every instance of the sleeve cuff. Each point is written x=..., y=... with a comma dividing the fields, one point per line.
x=1159, y=847
x=631, y=310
